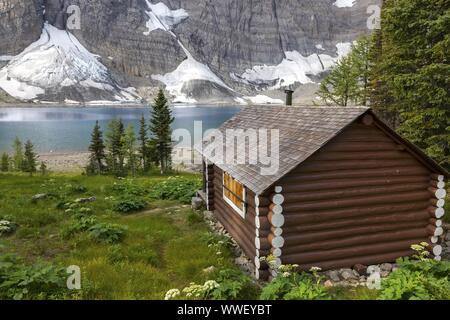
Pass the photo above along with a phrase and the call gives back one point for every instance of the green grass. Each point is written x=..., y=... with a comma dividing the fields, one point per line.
x=163, y=248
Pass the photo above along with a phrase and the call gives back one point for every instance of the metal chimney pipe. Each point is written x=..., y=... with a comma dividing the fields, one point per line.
x=289, y=97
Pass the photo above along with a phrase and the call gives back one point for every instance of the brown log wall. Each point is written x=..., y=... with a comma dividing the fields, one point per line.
x=361, y=199
x=243, y=230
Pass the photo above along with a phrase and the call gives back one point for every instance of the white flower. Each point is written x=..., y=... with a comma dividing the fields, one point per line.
x=211, y=285
x=171, y=294
x=286, y=274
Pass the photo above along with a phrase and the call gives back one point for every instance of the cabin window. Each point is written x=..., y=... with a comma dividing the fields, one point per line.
x=234, y=194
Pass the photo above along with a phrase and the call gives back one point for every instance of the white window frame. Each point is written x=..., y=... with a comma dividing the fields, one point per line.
x=242, y=212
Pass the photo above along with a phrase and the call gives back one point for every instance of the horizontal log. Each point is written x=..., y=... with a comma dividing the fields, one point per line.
x=263, y=243
x=309, y=217
x=357, y=201
x=276, y=220
x=277, y=199
x=435, y=222
x=437, y=202
x=357, y=240
x=367, y=155
x=276, y=241
x=321, y=166
x=436, y=212
x=437, y=250
x=262, y=223
x=243, y=242
x=248, y=223
x=350, y=262
x=437, y=184
x=361, y=221
x=353, y=192
x=438, y=177
x=300, y=186
x=438, y=193
x=353, y=251
x=435, y=231
x=309, y=237
x=357, y=173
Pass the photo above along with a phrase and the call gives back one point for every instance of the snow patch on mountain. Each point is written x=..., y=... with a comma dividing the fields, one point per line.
x=57, y=60
x=295, y=68
x=262, y=99
x=344, y=3
x=188, y=70
x=161, y=17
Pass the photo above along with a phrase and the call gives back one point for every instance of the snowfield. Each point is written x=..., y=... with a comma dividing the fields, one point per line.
x=295, y=68
x=57, y=59
x=161, y=17
x=344, y=3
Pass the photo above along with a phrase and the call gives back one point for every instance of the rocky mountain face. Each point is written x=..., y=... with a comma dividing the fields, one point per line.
x=199, y=50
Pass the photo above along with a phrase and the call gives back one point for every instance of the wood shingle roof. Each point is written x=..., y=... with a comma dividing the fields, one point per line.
x=302, y=132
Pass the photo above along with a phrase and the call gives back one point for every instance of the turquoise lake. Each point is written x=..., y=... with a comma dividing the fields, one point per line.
x=68, y=129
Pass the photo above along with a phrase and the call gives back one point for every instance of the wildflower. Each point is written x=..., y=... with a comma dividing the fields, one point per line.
x=171, y=294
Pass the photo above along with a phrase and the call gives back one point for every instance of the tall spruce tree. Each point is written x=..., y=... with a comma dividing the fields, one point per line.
x=97, y=157
x=4, y=162
x=161, y=132
x=340, y=87
x=115, y=147
x=379, y=97
x=18, y=154
x=30, y=159
x=415, y=67
x=143, y=143
x=361, y=69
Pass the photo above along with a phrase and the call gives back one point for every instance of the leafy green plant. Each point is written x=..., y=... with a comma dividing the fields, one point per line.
x=234, y=285
x=420, y=278
x=129, y=204
x=129, y=187
x=80, y=224
x=107, y=232
x=38, y=281
x=176, y=188
x=291, y=285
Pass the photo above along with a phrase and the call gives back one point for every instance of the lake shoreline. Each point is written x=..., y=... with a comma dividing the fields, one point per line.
x=21, y=105
x=76, y=161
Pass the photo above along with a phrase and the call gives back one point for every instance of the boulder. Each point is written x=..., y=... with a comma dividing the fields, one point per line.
x=386, y=267
x=333, y=275
x=348, y=274
x=360, y=268
x=197, y=203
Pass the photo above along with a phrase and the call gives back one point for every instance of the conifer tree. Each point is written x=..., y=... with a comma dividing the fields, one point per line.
x=18, y=154
x=143, y=143
x=130, y=150
x=361, y=69
x=161, y=132
x=115, y=146
x=340, y=87
x=415, y=67
x=97, y=157
x=30, y=159
x=4, y=162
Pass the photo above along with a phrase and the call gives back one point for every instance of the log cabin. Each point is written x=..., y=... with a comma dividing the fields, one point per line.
x=348, y=189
